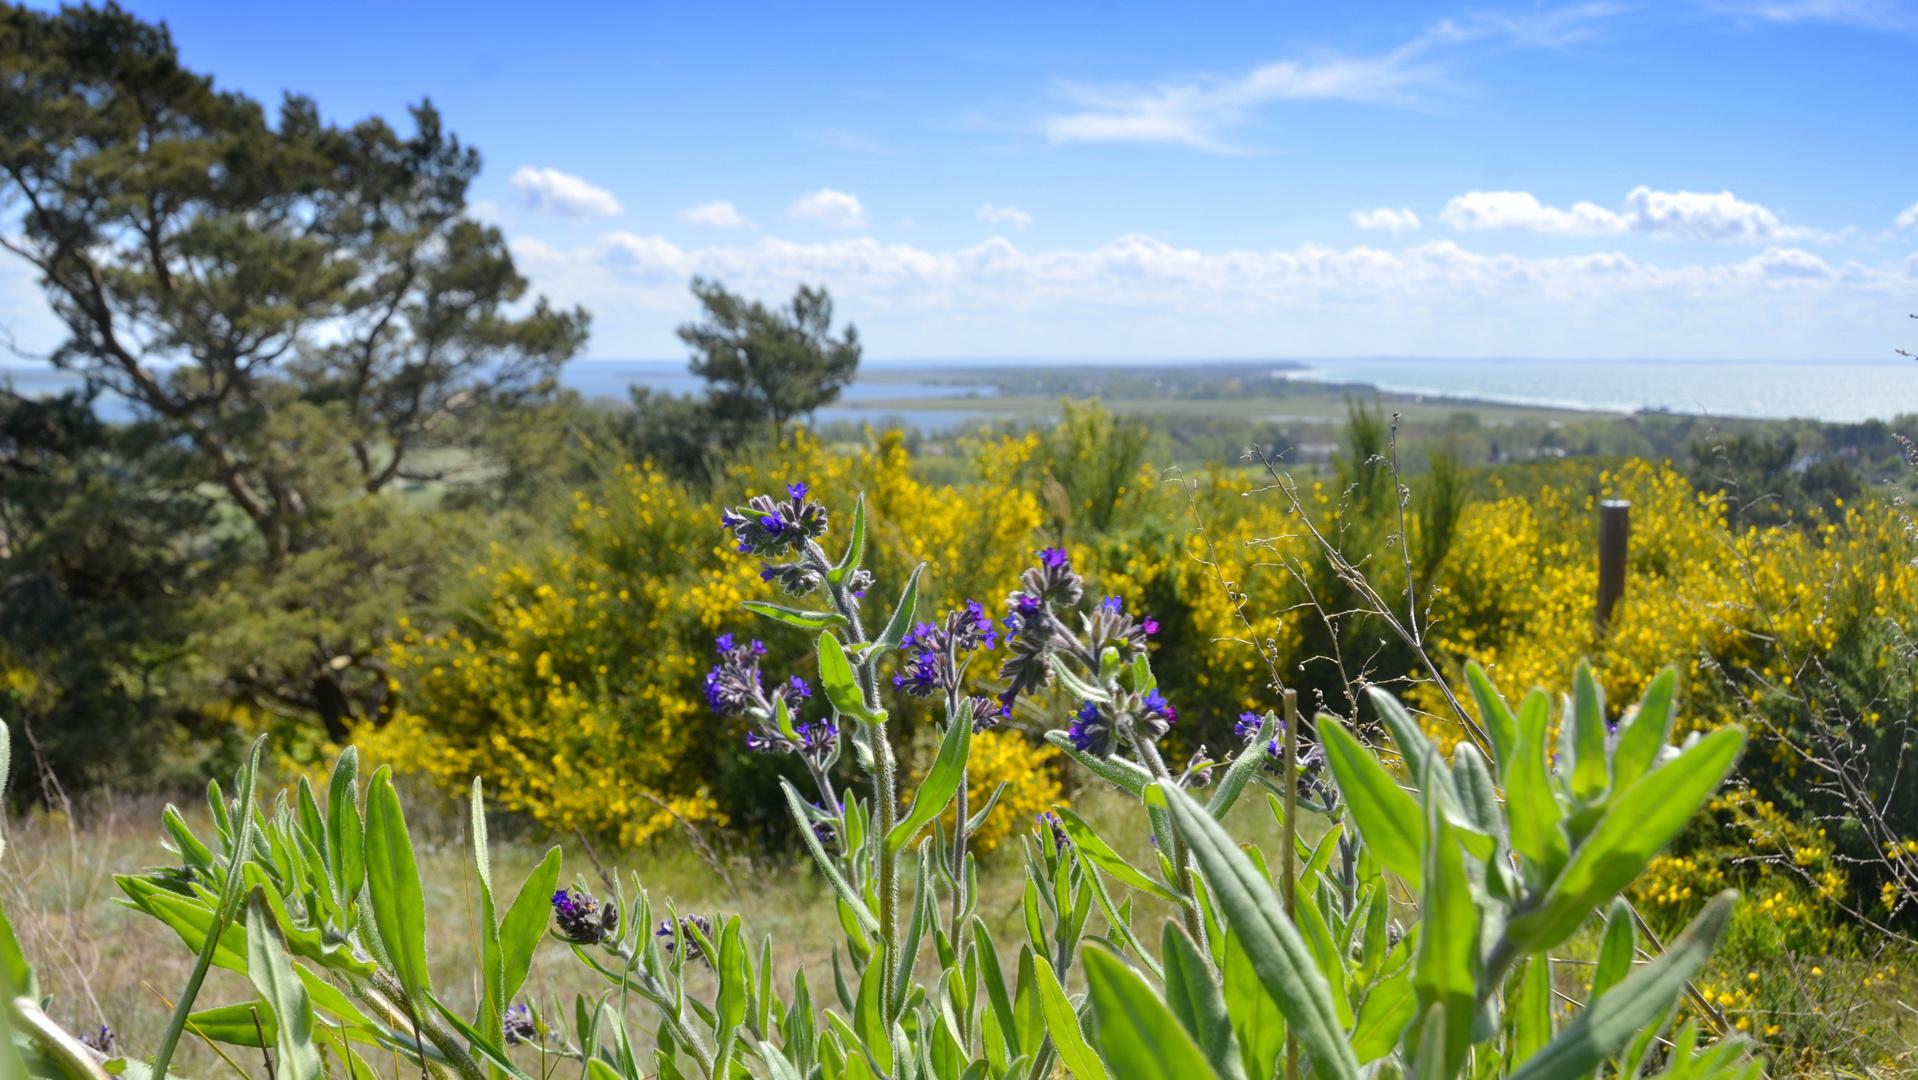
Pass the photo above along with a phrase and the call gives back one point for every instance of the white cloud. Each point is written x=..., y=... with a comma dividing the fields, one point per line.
x=719, y=213
x=1138, y=295
x=1908, y=219
x=1394, y=221
x=1193, y=111
x=1670, y=215
x=1870, y=14
x=835, y=208
x=1003, y=215
x=563, y=193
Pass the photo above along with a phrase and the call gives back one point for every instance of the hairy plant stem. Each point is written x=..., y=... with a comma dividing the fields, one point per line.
x=424, y=1025
x=1181, y=865
x=885, y=813
x=885, y=782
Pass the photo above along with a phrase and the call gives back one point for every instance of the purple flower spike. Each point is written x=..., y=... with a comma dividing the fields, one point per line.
x=798, y=490
x=1112, y=605
x=1054, y=558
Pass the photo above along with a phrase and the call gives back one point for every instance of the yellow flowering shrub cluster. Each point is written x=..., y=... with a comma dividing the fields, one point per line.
x=573, y=683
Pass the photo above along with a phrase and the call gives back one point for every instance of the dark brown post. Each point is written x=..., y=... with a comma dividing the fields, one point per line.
x=1614, y=540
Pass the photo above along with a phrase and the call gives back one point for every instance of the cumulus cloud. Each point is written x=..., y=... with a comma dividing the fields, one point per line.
x=1393, y=221
x=1669, y=215
x=1003, y=215
x=1195, y=111
x=1142, y=272
x=563, y=193
x=1908, y=219
x=1138, y=295
x=835, y=208
x=719, y=213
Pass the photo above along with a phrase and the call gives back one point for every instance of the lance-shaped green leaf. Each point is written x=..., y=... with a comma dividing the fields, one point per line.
x=792, y=616
x=1101, y=855
x=1388, y=1007
x=1529, y=802
x=1532, y=1019
x=734, y=981
x=1131, y=776
x=1604, y=1027
x=1445, y=969
x=1242, y=769
x=1388, y=819
x=1636, y=825
x=1139, y=1038
x=1284, y=963
x=1650, y=727
x=492, y=1011
x=393, y=883
x=345, y=835
x=271, y=972
x=1063, y=1023
x=836, y=677
x=1477, y=796
x=1199, y=1003
x=1494, y=713
x=1616, y=949
x=191, y=920
x=1256, y=1019
x=992, y=800
x=827, y=868
x=942, y=781
x=901, y=621
x=1591, y=771
x=1080, y=688
x=855, y=547
x=525, y=922
x=301, y=941
x=998, y=1000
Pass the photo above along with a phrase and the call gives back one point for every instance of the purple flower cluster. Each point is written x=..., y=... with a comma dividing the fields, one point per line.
x=1247, y=728
x=733, y=685
x=520, y=1025
x=686, y=923
x=1155, y=716
x=773, y=528
x=814, y=739
x=1092, y=731
x=933, y=652
x=100, y=1042
x=582, y=919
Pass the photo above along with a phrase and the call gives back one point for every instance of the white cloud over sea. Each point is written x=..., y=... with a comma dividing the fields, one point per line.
x=1665, y=215
x=1139, y=295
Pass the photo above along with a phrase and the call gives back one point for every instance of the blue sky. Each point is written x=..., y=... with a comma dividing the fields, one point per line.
x=1709, y=179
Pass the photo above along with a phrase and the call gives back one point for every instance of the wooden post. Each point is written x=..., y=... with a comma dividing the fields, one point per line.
x=1614, y=540
x=1288, y=875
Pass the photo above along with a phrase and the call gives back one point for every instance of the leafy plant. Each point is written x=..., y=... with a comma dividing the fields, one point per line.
x=321, y=906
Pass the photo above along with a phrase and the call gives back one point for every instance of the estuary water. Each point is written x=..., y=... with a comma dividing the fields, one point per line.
x=1838, y=391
